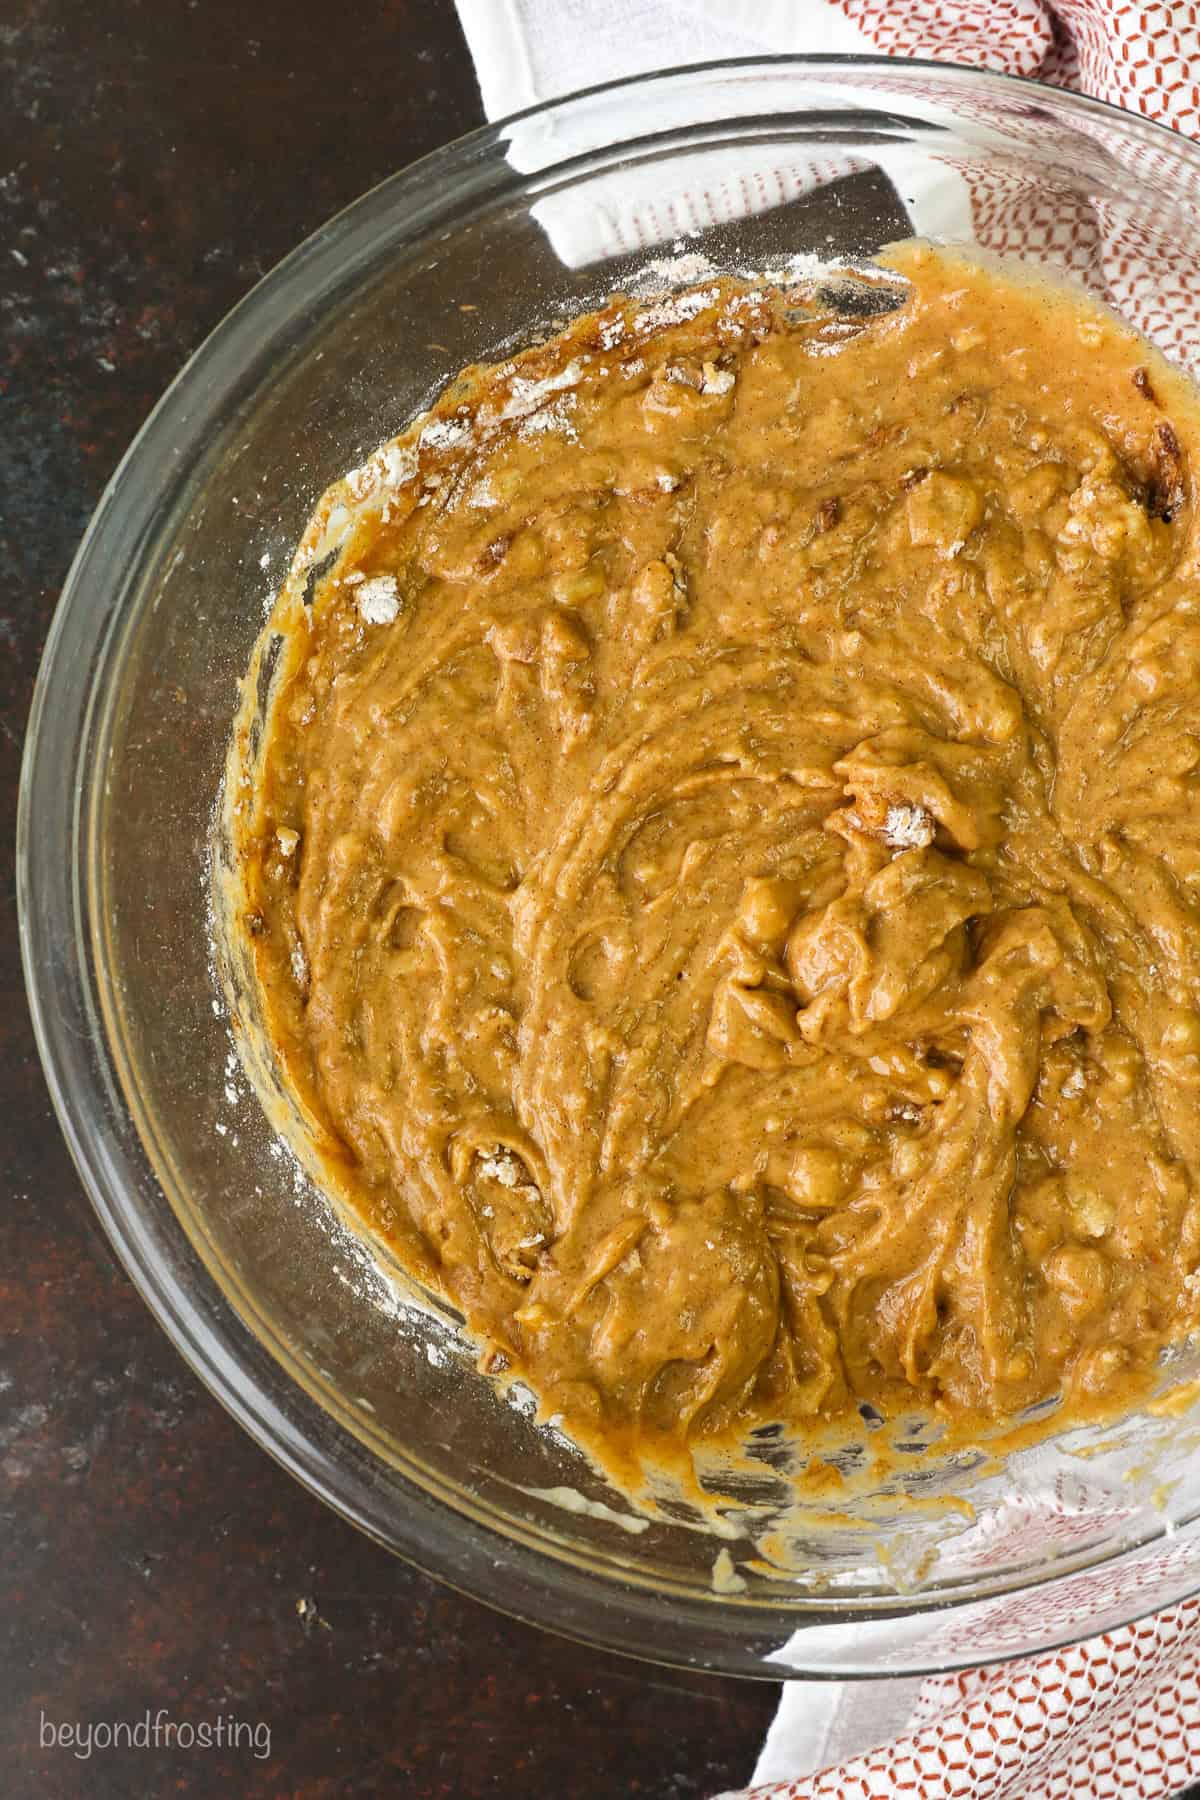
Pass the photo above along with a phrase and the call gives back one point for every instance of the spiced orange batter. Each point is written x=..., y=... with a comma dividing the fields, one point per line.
x=723, y=870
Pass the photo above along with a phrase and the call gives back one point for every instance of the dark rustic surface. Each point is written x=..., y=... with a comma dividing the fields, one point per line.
x=156, y=157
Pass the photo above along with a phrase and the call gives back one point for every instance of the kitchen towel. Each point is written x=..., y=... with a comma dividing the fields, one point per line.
x=1118, y=1715
x=1141, y=56
x=1114, y=1718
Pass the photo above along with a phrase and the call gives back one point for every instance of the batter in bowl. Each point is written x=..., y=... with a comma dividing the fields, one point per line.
x=723, y=867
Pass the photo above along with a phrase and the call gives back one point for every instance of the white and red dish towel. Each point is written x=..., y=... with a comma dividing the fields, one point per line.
x=1140, y=54
x=1116, y=1717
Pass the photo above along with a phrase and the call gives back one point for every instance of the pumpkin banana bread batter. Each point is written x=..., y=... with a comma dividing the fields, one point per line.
x=723, y=867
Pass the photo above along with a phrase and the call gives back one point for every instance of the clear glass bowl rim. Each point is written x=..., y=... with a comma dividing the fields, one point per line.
x=726, y=1634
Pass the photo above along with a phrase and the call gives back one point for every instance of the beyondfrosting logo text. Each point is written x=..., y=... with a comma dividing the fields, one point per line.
x=154, y=1731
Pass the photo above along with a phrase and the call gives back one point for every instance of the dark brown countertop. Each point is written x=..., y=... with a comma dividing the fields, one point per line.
x=157, y=157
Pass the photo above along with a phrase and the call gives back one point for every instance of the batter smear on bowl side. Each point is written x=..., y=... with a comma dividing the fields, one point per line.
x=722, y=869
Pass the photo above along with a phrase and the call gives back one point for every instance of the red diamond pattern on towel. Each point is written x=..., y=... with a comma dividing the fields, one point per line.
x=1015, y=36
x=1143, y=57
x=1117, y=1718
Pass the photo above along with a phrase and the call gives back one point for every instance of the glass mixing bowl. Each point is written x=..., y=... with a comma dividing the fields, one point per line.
x=355, y=1382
